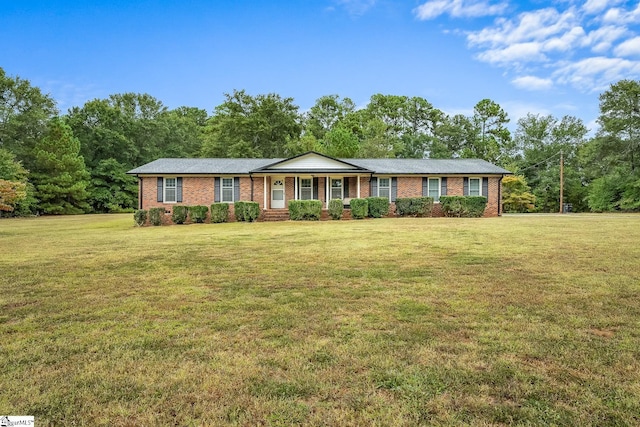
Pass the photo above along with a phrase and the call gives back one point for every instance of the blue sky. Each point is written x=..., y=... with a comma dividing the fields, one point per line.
x=541, y=57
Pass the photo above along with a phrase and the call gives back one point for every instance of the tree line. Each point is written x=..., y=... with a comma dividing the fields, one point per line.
x=52, y=163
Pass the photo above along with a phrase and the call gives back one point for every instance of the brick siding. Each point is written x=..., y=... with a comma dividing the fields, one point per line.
x=201, y=191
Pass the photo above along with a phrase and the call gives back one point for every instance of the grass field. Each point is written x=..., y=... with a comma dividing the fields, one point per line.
x=520, y=320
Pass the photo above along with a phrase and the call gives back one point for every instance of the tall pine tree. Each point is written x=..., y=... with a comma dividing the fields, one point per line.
x=60, y=176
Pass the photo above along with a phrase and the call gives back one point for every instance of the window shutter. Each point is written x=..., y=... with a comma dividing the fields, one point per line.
x=160, y=192
x=425, y=186
x=217, y=190
x=485, y=187
x=179, y=189
x=394, y=189
x=465, y=186
x=443, y=186
x=236, y=189
x=373, y=185
x=345, y=184
x=315, y=189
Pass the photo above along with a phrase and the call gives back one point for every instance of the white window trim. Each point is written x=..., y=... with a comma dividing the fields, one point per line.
x=429, y=178
x=300, y=187
x=165, y=186
x=479, y=185
x=389, y=187
x=331, y=187
x=222, y=188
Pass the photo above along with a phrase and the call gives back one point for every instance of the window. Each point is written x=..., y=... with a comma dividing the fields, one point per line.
x=336, y=188
x=433, y=189
x=384, y=187
x=474, y=187
x=227, y=190
x=170, y=190
x=306, y=189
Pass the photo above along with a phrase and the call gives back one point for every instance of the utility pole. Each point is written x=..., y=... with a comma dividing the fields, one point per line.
x=561, y=180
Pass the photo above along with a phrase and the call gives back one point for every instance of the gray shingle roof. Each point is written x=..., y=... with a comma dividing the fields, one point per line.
x=378, y=166
x=430, y=166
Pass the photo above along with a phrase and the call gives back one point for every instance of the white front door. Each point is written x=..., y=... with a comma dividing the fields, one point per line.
x=277, y=192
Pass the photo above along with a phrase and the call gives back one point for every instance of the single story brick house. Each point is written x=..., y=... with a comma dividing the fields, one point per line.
x=273, y=182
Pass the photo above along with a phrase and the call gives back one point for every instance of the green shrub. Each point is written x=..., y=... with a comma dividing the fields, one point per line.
x=378, y=206
x=359, y=208
x=251, y=211
x=198, y=214
x=305, y=210
x=463, y=206
x=179, y=214
x=414, y=206
x=155, y=216
x=219, y=212
x=238, y=210
x=140, y=217
x=336, y=207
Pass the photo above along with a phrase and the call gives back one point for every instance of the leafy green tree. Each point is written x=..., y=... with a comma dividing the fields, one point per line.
x=247, y=126
x=516, y=194
x=111, y=189
x=11, y=193
x=18, y=191
x=493, y=140
x=612, y=158
x=24, y=112
x=452, y=135
x=59, y=175
x=541, y=139
x=327, y=112
x=340, y=142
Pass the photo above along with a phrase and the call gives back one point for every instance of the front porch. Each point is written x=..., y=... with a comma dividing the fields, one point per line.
x=283, y=215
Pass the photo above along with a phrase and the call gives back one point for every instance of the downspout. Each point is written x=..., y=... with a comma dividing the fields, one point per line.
x=140, y=192
x=251, y=178
x=500, y=195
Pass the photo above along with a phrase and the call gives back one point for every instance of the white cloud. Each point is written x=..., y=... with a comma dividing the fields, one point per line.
x=516, y=53
x=629, y=47
x=458, y=8
x=601, y=39
x=596, y=73
x=593, y=7
x=539, y=25
x=356, y=7
x=532, y=83
x=622, y=16
x=576, y=45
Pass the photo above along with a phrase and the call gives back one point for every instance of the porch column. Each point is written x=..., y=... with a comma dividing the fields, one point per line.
x=326, y=191
x=265, y=191
x=358, y=186
x=295, y=187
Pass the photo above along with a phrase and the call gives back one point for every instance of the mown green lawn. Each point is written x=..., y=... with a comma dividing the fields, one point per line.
x=520, y=320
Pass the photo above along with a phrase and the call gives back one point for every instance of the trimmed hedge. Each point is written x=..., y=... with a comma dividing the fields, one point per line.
x=219, y=212
x=463, y=206
x=198, y=214
x=378, y=206
x=359, y=208
x=140, y=217
x=414, y=206
x=251, y=211
x=238, y=210
x=155, y=216
x=246, y=211
x=305, y=210
x=179, y=214
x=336, y=207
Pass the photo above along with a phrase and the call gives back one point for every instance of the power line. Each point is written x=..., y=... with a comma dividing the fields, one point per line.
x=539, y=163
